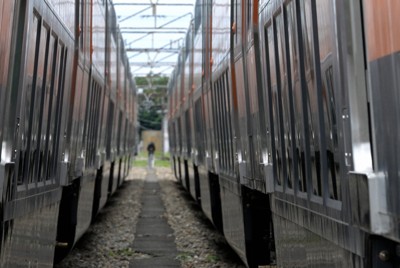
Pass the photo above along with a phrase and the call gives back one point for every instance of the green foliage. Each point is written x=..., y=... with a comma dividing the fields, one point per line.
x=143, y=81
x=160, y=161
x=212, y=258
x=124, y=252
x=161, y=80
x=140, y=163
x=150, y=119
x=184, y=256
x=152, y=101
x=140, y=81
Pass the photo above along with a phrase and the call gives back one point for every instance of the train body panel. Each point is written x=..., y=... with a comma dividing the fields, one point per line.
x=31, y=124
x=213, y=109
x=308, y=249
x=295, y=129
x=85, y=203
x=53, y=147
x=105, y=182
x=232, y=214
x=36, y=217
x=309, y=185
x=382, y=66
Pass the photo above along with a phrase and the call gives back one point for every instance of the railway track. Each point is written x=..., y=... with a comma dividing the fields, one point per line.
x=110, y=241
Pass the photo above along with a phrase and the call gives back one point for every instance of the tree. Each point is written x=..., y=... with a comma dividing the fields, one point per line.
x=152, y=101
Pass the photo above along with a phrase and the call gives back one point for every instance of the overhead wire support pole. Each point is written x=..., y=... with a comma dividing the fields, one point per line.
x=153, y=32
x=164, y=50
x=123, y=29
x=149, y=4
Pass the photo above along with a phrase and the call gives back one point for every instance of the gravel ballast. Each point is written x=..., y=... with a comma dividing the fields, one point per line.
x=108, y=242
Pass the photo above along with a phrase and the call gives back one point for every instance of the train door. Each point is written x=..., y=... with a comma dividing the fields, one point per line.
x=207, y=78
x=239, y=83
x=254, y=99
x=10, y=45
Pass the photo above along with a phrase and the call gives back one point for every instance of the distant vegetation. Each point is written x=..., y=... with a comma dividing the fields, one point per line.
x=161, y=160
x=152, y=99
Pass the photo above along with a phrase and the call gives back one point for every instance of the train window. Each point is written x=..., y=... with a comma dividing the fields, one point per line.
x=59, y=106
x=110, y=117
x=271, y=81
x=197, y=16
x=216, y=124
x=199, y=131
x=326, y=42
x=33, y=48
x=188, y=131
x=179, y=136
x=88, y=122
x=82, y=25
x=219, y=124
x=34, y=108
x=52, y=132
x=119, y=130
x=97, y=118
x=283, y=101
x=224, y=119
x=47, y=98
x=238, y=20
x=175, y=135
x=277, y=141
x=37, y=107
x=227, y=119
x=230, y=122
x=127, y=127
x=311, y=97
x=93, y=123
x=299, y=162
x=248, y=15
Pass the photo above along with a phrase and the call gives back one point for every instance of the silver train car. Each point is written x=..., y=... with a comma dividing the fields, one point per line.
x=67, y=124
x=285, y=110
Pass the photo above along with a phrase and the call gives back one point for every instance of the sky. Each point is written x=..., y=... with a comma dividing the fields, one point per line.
x=156, y=25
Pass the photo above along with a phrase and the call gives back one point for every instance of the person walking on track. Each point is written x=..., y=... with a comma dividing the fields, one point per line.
x=151, y=149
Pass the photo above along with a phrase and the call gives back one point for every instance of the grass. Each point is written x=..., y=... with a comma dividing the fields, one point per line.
x=161, y=160
x=124, y=252
x=184, y=256
x=212, y=258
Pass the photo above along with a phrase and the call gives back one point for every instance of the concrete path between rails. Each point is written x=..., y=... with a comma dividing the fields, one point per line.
x=154, y=244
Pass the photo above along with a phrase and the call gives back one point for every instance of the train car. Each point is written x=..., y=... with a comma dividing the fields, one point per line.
x=303, y=71
x=77, y=200
x=295, y=129
x=171, y=125
x=36, y=63
x=187, y=114
x=230, y=196
x=171, y=122
x=54, y=104
x=182, y=78
x=177, y=88
x=331, y=189
x=98, y=121
x=198, y=134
